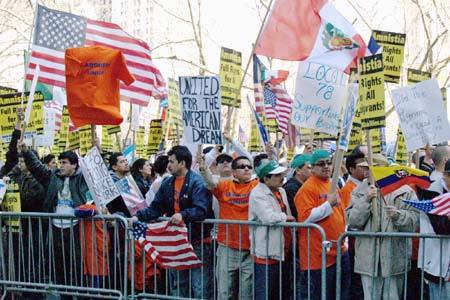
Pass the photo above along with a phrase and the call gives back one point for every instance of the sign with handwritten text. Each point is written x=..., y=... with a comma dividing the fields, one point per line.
x=421, y=113
x=319, y=94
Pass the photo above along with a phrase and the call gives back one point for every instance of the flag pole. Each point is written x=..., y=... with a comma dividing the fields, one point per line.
x=238, y=91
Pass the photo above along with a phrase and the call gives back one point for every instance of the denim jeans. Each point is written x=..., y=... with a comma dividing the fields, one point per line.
x=234, y=273
x=311, y=282
x=441, y=292
x=266, y=281
x=197, y=282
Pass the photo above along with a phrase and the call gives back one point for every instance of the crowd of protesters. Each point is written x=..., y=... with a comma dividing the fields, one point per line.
x=245, y=261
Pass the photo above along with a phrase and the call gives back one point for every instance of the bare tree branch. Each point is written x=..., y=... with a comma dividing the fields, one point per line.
x=169, y=12
x=26, y=22
x=172, y=43
x=430, y=50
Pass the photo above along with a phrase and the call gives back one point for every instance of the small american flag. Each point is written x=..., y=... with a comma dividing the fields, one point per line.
x=167, y=244
x=55, y=31
x=131, y=195
x=278, y=106
x=439, y=205
x=242, y=137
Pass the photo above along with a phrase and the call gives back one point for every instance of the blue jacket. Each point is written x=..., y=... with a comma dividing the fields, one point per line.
x=195, y=205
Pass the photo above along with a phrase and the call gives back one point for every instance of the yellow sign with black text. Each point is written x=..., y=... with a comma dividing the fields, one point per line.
x=415, y=76
x=11, y=203
x=401, y=155
x=174, y=118
x=393, y=45
x=230, y=76
x=154, y=136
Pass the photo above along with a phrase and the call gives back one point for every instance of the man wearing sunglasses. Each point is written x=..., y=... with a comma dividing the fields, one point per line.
x=234, y=263
x=315, y=204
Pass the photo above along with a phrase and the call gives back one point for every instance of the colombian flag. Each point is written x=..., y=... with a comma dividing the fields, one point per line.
x=391, y=178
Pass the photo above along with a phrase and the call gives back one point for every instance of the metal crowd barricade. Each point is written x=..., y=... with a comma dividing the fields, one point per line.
x=86, y=259
x=158, y=281
x=399, y=237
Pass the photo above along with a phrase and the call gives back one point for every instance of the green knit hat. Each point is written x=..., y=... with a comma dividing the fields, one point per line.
x=318, y=155
x=300, y=160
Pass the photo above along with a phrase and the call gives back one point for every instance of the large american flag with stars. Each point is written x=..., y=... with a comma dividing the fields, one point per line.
x=55, y=31
x=166, y=244
x=439, y=205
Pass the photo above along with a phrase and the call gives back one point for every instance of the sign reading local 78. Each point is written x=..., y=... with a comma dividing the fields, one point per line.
x=319, y=94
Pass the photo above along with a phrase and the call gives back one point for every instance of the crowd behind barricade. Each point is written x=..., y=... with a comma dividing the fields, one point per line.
x=239, y=261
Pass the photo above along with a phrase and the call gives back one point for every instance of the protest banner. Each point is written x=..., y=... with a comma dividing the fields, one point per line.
x=174, y=119
x=318, y=97
x=8, y=106
x=107, y=142
x=154, y=136
x=371, y=92
x=255, y=144
x=393, y=45
x=415, y=76
x=64, y=130
x=48, y=137
x=100, y=183
x=201, y=108
x=11, y=203
x=421, y=113
x=347, y=119
x=85, y=139
x=74, y=140
x=7, y=90
x=230, y=76
x=140, y=144
x=401, y=154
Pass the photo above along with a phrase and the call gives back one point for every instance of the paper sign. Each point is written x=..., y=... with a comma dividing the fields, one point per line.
x=393, y=45
x=421, y=113
x=174, y=119
x=319, y=94
x=201, y=107
x=99, y=181
x=154, y=137
x=230, y=76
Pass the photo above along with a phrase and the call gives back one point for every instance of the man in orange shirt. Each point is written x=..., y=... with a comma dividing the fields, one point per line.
x=315, y=204
x=234, y=263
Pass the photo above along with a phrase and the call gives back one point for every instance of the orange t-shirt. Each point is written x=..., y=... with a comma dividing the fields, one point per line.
x=313, y=194
x=346, y=192
x=176, y=193
x=93, y=77
x=233, y=198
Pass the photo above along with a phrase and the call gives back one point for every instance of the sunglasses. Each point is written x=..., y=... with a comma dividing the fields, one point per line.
x=323, y=163
x=225, y=160
x=242, y=167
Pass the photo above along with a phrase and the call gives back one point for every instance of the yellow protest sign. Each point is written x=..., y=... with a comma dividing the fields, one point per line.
x=8, y=106
x=140, y=147
x=85, y=139
x=112, y=129
x=444, y=97
x=255, y=145
x=401, y=155
x=64, y=130
x=11, y=203
x=376, y=140
x=271, y=125
x=107, y=142
x=393, y=45
x=74, y=140
x=174, y=118
x=154, y=137
x=415, y=76
x=371, y=92
x=290, y=154
x=55, y=147
x=7, y=90
x=230, y=76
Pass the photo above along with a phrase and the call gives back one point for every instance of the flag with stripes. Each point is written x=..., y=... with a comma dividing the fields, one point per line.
x=55, y=31
x=242, y=137
x=258, y=86
x=131, y=195
x=167, y=244
x=278, y=106
x=439, y=205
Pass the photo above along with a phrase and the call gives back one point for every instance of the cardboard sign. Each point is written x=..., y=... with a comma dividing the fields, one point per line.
x=393, y=45
x=415, y=76
x=201, y=107
x=230, y=76
x=421, y=113
x=174, y=119
x=401, y=155
x=371, y=92
x=347, y=119
x=154, y=136
x=99, y=181
x=319, y=95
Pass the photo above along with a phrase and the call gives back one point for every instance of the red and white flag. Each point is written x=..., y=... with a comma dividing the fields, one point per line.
x=167, y=244
x=242, y=137
x=55, y=31
x=278, y=106
x=310, y=30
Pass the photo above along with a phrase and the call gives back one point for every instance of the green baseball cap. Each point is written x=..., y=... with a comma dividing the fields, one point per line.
x=300, y=160
x=270, y=167
x=318, y=155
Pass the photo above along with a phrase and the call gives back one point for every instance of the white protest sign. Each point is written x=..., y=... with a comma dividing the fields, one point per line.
x=200, y=100
x=421, y=112
x=135, y=110
x=99, y=181
x=347, y=118
x=46, y=140
x=319, y=93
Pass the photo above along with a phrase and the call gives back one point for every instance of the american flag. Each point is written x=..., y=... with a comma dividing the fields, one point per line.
x=56, y=31
x=242, y=137
x=278, y=106
x=258, y=86
x=167, y=244
x=131, y=195
x=439, y=205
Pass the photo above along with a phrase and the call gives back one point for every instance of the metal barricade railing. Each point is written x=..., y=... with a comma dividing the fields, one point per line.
x=403, y=263
x=59, y=254
x=233, y=269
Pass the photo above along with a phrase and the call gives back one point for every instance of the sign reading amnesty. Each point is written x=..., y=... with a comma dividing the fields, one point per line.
x=371, y=92
x=393, y=45
x=200, y=104
x=230, y=76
